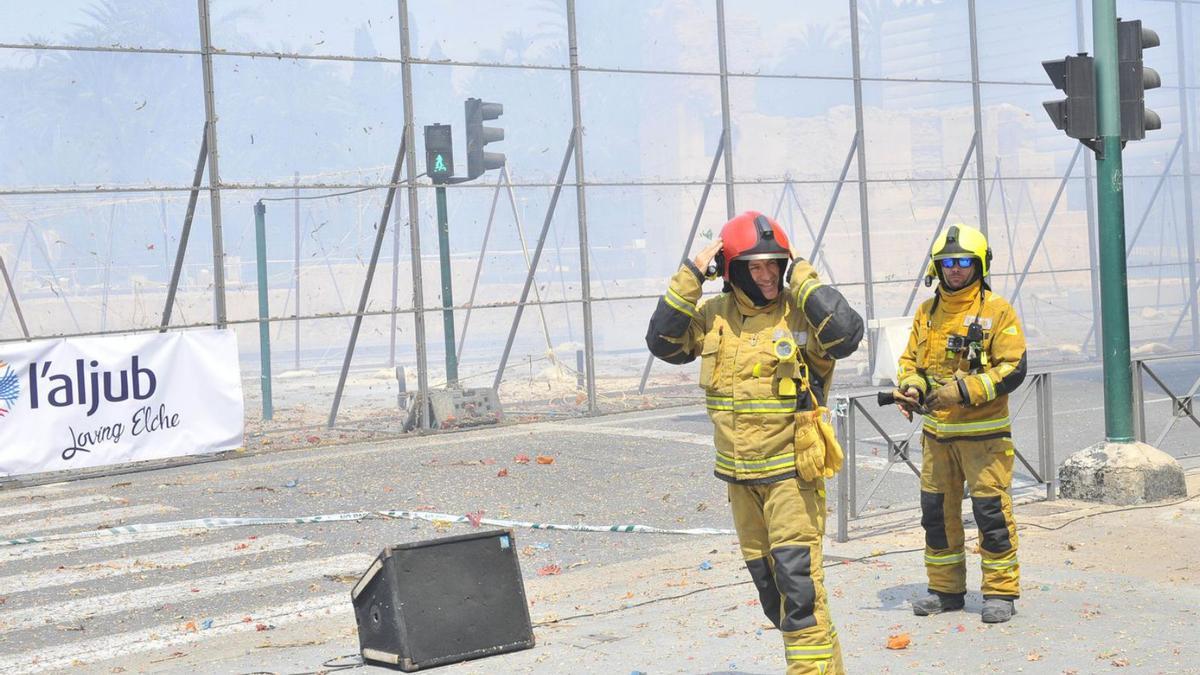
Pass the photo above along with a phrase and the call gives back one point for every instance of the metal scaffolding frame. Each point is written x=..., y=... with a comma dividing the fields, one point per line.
x=209, y=160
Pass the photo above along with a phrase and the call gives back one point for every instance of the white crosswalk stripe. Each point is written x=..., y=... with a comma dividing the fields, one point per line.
x=38, y=550
x=84, y=519
x=161, y=637
x=27, y=610
x=37, y=505
x=66, y=575
x=74, y=611
x=17, y=494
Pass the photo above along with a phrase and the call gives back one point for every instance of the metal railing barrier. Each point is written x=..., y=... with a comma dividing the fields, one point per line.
x=1182, y=405
x=848, y=410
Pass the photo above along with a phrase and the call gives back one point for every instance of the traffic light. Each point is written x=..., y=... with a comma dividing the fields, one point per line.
x=478, y=161
x=1076, y=114
x=439, y=153
x=1136, y=78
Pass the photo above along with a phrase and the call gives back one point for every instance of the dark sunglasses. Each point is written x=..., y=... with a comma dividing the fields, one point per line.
x=948, y=263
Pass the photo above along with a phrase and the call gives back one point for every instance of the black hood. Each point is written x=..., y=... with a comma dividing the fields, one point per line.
x=739, y=274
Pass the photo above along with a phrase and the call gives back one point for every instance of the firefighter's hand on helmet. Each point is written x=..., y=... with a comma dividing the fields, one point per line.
x=706, y=255
x=944, y=396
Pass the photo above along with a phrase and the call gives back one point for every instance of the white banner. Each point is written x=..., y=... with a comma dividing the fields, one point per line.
x=80, y=402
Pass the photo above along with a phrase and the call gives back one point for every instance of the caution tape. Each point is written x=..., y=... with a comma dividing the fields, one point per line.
x=639, y=529
x=221, y=523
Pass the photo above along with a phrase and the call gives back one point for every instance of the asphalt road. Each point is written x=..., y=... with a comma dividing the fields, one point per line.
x=82, y=600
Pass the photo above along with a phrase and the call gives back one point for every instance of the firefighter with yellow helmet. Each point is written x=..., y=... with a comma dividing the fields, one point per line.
x=766, y=361
x=965, y=354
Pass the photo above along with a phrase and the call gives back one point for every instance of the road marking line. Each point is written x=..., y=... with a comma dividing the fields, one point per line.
x=39, y=505
x=28, y=551
x=74, y=611
x=16, y=493
x=478, y=436
x=63, y=576
x=78, y=520
x=164, y=636
x=650, y=434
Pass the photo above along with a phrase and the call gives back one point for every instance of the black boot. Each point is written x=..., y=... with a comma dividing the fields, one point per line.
x=937, y=602
x=998, y=610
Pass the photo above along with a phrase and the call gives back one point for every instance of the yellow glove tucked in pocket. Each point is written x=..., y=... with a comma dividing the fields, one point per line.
x=833, y=450
x=810, y=447
x=818, y=453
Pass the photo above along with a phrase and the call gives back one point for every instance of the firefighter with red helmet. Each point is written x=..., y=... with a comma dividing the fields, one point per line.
x=767, y=346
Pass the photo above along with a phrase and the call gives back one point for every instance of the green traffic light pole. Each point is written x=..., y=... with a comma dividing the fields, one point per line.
x=1114, y=293
x=447, y=294
x=264, y=313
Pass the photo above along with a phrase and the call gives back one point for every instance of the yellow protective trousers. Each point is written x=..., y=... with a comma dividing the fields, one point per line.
x=779, y=527
x=986, y=466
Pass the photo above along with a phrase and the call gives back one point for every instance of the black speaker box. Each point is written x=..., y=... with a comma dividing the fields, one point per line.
x=431, y=603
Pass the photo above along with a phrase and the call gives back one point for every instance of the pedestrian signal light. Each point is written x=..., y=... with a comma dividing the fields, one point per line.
x=439, y=153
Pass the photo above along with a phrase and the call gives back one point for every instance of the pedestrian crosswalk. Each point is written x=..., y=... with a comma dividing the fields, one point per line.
x=73, y=602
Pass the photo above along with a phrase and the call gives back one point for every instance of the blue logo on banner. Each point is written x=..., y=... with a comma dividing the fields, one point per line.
x=10, y=388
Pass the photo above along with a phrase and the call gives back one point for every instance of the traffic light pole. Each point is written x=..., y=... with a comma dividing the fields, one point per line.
x=1114, y=294
x=447, y=293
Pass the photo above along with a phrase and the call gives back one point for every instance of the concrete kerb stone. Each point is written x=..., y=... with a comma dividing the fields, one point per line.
x=1122, y=474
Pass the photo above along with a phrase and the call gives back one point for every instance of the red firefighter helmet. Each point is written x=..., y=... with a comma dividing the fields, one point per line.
x=751, y=236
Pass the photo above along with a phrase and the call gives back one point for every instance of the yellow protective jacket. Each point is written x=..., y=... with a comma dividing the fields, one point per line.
x=764, y=402
x=985, y=376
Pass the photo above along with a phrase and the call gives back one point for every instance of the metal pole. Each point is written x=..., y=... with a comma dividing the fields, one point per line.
x=107, y=271
x=380, y=233
x=447, y=288
x=962, y=170
x=414, y=229
x=837, y=190
x=979, y=176
x=1090, y=197
x=214, y=174
x=1052, y=478
x=1162, y=179
x=296, y=264
x=687, y=247
x=537, y=255
x=851, y=452
x=1137, y=231
x=184, y=234
x=41, y=247
x=264, y=312
x=726, y=125
x=585, y=280
x=863, y=209
x=1188, y=306
x=487, y=234
x=795, y=199
x=12, y=294
x=506, y=180
x=1114, y=305
x=396, y=222
x=1185, y=138
x=537, y=295
x=843, y=499
x=1046, y=223
x=1139, y=402
x=16, y=268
